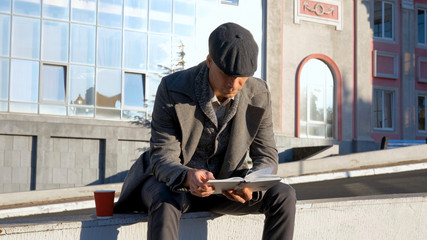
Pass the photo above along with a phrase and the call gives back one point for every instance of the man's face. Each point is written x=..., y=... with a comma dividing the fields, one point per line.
x=223, y=86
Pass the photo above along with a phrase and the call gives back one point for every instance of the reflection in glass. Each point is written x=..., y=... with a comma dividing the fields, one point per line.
x=108, y=88
x=159, y=53
x=27, y=7
x=383, y=108
x=421, y=26
x=24, y=81
x=160, y=16
x=4, y=78
x=5, y=6
x=26, y=37
x=55, y=41
x=5, y=35
x=378, y=18
x=422, y=113
x=110, y=13
x=388, y=20
x=109, y=47
x=184, y=17
x=378, y=109
x=53, y=109
x=135, y=55
x=3, y=106
x=136, y=14
x=24, y=107
x=108, y=113
x=82, y=44
x=56, y=9
x=388, y=113
x=316, y=100
x=134, y=115
x=83, y=11
x=82, y=82
x=134, y=90
x=53, y=83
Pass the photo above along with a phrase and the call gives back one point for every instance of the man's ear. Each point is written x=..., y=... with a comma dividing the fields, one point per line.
x=209, y=61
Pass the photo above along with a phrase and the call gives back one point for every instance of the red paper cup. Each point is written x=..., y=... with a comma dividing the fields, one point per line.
x=104, y=203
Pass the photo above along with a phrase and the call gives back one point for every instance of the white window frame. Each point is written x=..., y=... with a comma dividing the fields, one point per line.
x=393, y=21
x=393, y=108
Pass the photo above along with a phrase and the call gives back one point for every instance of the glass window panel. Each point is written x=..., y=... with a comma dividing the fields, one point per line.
x=135, y=56
x=83, y=11
x=316, y=130
x=231, y=2
x=5, y=6
x=53, y=110
x=82, y=82
x=184, y=17
x=53, y=83
x=80, y=111
x=4, y=78
x=110, y=13
x=329, y=131
x=421, y=26
x=388, y=20
x=378, y=108
x=82, y=45
x=5, y=35
x=58, y=9
x=159, y=53
x=134, y=90
x=55, y=41
x=388, y=109
x=109, y=47
x=4, y=106
x=160, y=16
x=109, y=88
x=27, y=7
x=24, y=81
x=136, y=14
x=26, y=37
x=421, y=113
x=378, y=18
x=316, y=104
x=23, y=107
x=134, y=115
x=108, y=114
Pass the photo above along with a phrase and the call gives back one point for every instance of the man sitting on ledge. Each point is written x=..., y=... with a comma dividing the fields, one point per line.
x=204, y=121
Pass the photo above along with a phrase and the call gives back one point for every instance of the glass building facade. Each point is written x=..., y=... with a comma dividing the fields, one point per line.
x=104, y=58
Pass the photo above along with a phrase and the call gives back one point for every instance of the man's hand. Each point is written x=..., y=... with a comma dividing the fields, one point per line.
x=196, y=180
x=242, y=195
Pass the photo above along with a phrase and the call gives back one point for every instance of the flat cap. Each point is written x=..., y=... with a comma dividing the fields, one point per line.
x=234, y=50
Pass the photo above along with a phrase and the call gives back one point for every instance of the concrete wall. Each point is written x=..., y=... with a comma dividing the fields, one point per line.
x=52, y=152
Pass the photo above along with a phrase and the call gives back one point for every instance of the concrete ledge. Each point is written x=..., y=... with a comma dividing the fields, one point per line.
x=373, y=217
x=356, y=161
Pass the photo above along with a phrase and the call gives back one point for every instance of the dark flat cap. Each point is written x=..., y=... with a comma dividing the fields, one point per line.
x=234, y=50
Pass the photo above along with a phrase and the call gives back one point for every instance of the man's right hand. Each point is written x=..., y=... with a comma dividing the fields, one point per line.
x=196, y=180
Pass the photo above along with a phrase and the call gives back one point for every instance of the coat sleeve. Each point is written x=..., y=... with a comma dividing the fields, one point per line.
x=262, y=150
x=165, y=142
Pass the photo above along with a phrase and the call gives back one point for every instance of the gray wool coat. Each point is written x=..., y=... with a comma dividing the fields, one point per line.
x=177, y=125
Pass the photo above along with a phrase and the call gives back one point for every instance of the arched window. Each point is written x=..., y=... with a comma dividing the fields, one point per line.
x=316, y=103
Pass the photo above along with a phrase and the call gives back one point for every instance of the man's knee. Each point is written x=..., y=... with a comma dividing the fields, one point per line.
x=282, y=194
x=158, y=193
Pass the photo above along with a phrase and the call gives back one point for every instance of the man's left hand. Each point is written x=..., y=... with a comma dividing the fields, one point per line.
x=242, y=195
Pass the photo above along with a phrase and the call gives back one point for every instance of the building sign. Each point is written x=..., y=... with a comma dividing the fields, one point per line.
x=409, y=4
x=320, y=11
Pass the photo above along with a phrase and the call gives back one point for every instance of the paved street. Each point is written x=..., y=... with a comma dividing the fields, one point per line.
x=404, y=182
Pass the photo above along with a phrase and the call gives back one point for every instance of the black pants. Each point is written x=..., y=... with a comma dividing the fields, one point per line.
x=166, y=207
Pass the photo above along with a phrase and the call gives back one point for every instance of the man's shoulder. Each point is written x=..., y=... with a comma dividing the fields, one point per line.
x=254, y=86
x=183, y=77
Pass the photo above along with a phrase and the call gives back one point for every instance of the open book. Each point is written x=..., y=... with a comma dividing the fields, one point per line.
x=258, y=181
